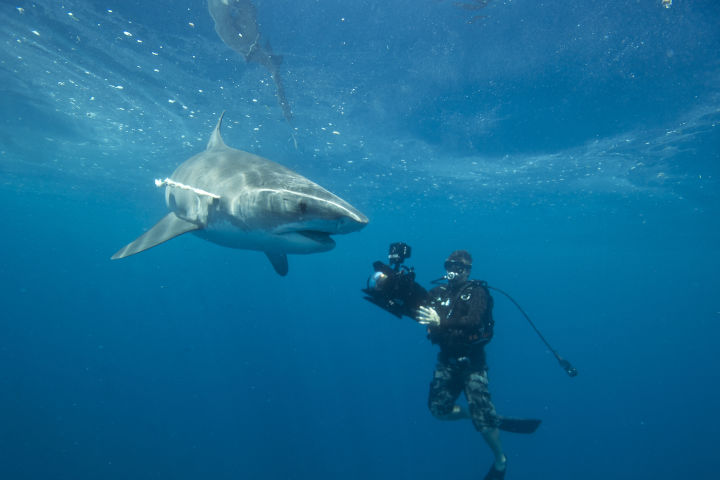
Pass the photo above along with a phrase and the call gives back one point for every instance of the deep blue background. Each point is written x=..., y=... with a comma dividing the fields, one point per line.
x=574, y=150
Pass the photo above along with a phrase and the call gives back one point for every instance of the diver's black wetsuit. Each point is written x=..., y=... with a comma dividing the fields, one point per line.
x=466, y=326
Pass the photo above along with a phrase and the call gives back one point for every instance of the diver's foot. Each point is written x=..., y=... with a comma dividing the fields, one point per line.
x=496, y=473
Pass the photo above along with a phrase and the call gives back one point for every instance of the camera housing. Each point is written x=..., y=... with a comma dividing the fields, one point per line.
x=393, y=287
x=398, y=253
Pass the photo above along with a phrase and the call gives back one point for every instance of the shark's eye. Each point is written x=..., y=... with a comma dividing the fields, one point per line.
x=302, y=206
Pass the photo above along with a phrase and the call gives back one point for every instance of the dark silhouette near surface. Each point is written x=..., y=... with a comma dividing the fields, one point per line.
x=236, y=24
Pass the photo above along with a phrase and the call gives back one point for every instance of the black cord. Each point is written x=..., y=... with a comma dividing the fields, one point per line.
x=565, y=364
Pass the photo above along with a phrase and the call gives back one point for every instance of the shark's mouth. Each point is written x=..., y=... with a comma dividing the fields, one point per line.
x=322, y=238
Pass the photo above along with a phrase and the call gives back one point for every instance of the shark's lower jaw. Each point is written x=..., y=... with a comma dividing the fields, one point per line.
x=317, y=237
x=309, y=241
x=292, y=242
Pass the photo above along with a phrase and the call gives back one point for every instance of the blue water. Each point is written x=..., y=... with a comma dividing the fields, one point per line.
x=572, y=147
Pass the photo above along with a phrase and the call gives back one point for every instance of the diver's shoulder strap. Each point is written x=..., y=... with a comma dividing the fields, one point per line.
x=476, y=283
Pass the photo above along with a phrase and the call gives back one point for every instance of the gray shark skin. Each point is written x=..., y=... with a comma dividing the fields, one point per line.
x=236, y=25
x=240, y=200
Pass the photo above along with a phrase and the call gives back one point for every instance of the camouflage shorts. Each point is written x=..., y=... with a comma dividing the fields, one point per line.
x=450, y=379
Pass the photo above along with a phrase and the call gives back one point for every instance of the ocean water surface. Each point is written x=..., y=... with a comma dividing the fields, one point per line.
x=572, y=147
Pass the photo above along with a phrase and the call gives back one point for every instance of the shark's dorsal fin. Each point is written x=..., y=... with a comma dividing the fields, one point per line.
x=216, y=140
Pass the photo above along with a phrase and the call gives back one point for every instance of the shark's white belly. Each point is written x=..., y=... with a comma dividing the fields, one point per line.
x=229, y=235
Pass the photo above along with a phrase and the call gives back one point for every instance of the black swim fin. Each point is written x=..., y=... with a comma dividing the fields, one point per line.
x=519, y=425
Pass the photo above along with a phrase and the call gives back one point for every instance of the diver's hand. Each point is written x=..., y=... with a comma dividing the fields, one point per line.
x=428, y=316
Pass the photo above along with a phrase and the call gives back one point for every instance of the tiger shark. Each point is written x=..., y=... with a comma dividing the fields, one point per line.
x=240, y=200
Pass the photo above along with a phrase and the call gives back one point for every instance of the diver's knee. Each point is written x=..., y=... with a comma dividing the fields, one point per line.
x=441, y=412
x=445, y=413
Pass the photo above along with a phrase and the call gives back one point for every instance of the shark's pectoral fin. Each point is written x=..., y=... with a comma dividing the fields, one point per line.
x=169, y=227
x=279, y=262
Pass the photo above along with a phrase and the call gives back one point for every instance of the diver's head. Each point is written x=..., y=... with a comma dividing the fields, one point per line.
x=458, y=266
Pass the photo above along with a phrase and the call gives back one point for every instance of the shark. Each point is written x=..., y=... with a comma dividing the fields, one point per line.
x=236, y=25
x=240, y=200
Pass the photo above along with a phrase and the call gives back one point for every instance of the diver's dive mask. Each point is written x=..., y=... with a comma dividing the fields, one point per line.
x=454, y=268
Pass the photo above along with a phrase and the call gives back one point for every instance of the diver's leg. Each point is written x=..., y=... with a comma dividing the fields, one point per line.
x=445, y=388
x=483, y=415
x=492, y=438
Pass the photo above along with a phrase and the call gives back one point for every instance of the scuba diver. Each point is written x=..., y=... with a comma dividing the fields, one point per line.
x=458, y=317
x=459, y=320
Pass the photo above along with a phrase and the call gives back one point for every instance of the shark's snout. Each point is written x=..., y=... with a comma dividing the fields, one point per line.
x=351, y=223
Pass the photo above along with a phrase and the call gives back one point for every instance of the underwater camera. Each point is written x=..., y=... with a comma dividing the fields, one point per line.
x=393, y=287
x=397, y=254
